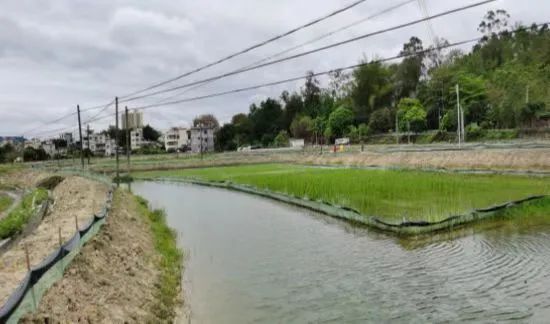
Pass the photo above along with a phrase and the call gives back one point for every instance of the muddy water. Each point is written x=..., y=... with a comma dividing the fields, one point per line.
x=254, y=260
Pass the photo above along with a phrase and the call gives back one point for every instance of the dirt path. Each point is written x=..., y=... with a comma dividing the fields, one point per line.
x=74, y=196
x=496, y=159
x=113, y=279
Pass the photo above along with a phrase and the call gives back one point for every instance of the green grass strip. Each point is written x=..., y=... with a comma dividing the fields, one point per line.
x=5, y=202
x=171, y=261
x=18, y=218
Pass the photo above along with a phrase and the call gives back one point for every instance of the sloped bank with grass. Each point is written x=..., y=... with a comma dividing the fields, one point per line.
x=130, y=272
x=404, y=202
x=16, y=220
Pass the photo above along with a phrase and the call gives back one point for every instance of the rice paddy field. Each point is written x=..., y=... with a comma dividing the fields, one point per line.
x=392, y=195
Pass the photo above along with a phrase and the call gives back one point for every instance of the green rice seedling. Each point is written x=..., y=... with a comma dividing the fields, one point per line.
x=393, y=195
x=5, y=202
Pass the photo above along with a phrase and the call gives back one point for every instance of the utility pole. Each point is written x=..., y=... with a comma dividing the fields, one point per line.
x=200, y=130
x=527, y=94
x=80, y=134
x=396, y=129
x=127, y=139
x=459, y=124
x=116, y=141
x=88, y=137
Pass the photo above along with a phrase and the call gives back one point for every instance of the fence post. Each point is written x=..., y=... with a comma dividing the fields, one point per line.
x=29, y=270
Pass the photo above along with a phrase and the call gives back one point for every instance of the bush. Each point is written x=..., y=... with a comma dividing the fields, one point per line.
x=339, y=121
x=474, y=132
x=282, y=140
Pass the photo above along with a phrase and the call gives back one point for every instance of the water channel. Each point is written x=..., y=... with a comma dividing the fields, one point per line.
x=253, y=260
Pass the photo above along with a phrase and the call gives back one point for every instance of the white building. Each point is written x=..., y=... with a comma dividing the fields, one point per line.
x=136, y=139
x=34, y=143
x=297, y=143
x=176, y=138
x=100, y=144
x=135, y=119
x=202, y=139
x=49, y=147
x=68, y=137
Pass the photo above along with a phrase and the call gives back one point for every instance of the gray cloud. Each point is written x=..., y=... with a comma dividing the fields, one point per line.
x=56, y=54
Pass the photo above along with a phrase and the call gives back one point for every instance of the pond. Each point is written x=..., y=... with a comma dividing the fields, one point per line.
x=253, y=260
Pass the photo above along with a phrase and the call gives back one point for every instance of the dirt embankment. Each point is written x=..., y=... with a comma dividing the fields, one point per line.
x=509, y=159
x=113, y=279
x=495, y=159
x=74, y=197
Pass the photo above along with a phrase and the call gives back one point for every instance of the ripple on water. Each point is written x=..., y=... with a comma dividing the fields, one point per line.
x=276, y=263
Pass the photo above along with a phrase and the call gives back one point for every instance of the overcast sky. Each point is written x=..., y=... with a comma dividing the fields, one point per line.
x=57, y=54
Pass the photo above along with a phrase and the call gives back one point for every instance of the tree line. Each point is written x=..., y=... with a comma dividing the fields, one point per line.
x=503, y=84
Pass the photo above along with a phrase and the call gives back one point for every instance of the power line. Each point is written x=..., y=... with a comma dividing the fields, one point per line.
x=301, y=77
x=287, y=58
x=31, y=131
x=429, y=27
x=248, y=49
x=315, y=74
x=305, y=76
x=316, y=39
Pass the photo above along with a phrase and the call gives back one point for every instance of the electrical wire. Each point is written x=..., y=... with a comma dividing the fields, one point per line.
x=248, y=49
x=287, y=58
x=311, y=41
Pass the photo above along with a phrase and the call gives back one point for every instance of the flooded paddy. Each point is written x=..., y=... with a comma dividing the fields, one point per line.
x=250, y=259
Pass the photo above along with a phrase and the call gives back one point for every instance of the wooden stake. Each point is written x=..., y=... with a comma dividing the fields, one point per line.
x=76, y=223
x=29, y=269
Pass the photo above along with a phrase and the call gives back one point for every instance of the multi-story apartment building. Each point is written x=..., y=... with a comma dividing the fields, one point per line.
x=136, y=139
x=68, y=137
x=135, y=119
x=100, y=144
x=176, y=138
x=202, y=139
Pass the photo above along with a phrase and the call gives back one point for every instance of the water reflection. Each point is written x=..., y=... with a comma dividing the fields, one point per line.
x=255, y=260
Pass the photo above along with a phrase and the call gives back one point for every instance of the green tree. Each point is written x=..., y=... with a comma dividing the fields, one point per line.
x=243, y=129
x=266, y=120
x=381, y=121
x=282, y=139
x=150, y=134
x=311, y=94
x=294, y=105
x=302, y=127
x=530, y=112
x=225, y=138
x=411, y=115
x=411, y=68
x=371, y=89
x=339, y=121
x=31, y=154
x=206, y=120
x=319, y=125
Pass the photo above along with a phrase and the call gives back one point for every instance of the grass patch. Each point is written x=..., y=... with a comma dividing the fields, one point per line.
x=389, y=194
x=7, y=168
x=532, y=212
x=5, y=202
x=17, y=218
x=171, y=261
